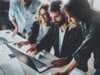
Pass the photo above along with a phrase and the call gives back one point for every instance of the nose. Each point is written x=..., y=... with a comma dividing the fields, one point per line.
x=54, y=20
x=43, y=17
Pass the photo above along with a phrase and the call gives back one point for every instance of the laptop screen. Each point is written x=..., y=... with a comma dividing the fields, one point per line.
x=30, y=61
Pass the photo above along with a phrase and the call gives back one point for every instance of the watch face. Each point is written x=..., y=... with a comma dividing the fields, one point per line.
x=2, y=40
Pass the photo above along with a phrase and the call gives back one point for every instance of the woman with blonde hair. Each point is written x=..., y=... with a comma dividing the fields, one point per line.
x=40, y=27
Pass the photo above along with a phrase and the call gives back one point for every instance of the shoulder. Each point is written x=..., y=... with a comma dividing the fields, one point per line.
x=75, y=28
x=36, y=2
x=15, y=3
x=36, y=24
x=76, y=31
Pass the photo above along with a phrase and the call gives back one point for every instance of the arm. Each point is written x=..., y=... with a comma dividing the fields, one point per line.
x=69, y=68
x=77, y=40
x=82, y=54
x=59, y=62
x=14, y=23
x=12, y=13
x=20, y=44
x=34, y=33
x=46, y=42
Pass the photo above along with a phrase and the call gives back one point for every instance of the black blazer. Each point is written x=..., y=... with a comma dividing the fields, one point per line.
x=34, y=32
x=72, y=40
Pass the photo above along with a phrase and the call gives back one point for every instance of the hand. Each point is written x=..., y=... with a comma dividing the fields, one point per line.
x=15, y=32
x=61, y=73
x=33, y=48
x=69, y=68
x=60, y=62
x=20, y=44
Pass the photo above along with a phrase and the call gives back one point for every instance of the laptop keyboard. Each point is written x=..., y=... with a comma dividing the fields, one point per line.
x=38, y=63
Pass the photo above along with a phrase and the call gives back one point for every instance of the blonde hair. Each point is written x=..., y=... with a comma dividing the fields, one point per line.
x=42, y=6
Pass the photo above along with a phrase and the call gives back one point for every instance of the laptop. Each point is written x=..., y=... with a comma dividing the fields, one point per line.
x=39, y=63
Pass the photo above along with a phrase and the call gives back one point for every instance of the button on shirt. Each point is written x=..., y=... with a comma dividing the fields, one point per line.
x=22, y=14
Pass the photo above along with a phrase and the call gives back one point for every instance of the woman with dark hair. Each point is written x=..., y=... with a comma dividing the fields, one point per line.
x=89, y=19
x=64, y=37
x=40, y=27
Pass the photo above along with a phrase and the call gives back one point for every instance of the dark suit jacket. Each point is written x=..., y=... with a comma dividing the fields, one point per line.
x=34, y=32
x=91, y=42
x=72, y=40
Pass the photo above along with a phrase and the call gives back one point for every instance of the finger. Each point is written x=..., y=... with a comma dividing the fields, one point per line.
x=60, y=63
x=19, y=45
x=57, y=64
x=54, y=61
x=28, y=50
x=22, y=43
x=13, y=35
x=57, y=73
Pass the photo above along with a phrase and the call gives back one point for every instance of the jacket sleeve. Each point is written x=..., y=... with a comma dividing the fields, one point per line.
x=34, y=33
x=78, y=38
x=83, y=52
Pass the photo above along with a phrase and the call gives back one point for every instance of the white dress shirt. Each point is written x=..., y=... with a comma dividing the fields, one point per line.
x=61, y=37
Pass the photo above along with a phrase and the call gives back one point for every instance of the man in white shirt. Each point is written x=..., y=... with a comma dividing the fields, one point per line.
x=21, y=14
x=63, y=36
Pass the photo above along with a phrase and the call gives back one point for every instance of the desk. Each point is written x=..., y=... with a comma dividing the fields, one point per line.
x=9, y=66
x=12, y=66
x=27, y=70
x=7, y=34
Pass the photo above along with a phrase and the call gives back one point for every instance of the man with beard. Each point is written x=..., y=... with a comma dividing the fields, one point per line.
x=64, y=37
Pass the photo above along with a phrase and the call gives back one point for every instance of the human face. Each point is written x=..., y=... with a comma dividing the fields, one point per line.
x=44, y=16
x=57, y=18
x=70, y=18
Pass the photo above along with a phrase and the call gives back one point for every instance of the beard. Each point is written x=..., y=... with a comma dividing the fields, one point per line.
x=60, y=23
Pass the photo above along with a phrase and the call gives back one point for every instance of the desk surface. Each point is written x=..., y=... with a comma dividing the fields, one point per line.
x=27, y=70
x=8, y=65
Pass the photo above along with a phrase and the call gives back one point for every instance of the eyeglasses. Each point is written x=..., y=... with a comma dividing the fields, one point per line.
x=45, y=14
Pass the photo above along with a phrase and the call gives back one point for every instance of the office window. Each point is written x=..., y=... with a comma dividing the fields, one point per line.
x=96, y=4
